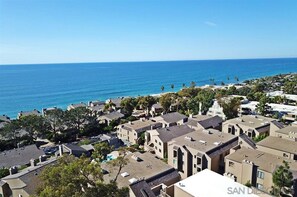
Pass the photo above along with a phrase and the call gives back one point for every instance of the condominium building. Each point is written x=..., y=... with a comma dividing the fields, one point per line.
x=131, y=131
x=256, y=167
x=289, y=133
x=205, y=122
x=156, y=140
x=198, y=150
x=279, y=147
x=252, y=126
x=171, y=119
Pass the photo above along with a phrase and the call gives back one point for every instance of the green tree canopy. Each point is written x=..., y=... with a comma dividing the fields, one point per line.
x=128, y=105
x=230, y=107
x=77, y=118
x=77, y=178
x=282, y=179
x=263, y=108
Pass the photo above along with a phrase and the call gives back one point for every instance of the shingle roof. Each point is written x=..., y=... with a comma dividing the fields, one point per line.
x=19, y=156
x=279, y=144
x=205, y=140
x=113, y=116
x=167, y=134
x=29, y=176
x=248, y=140
x=142, y=189
x=264, y=161
x=211, y=122
x=173, y=117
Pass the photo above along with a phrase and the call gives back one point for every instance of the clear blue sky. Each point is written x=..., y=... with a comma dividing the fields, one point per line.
x=40, y=31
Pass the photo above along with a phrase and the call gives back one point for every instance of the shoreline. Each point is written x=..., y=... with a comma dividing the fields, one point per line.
x=241, y=83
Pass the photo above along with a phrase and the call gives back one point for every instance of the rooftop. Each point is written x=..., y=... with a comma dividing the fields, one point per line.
x=138, y=124
x=264, y=161
x=205, y=140
x=77, y=105
x=168, y=133
x=27, y=113
x=19, y=156
x=254, y=121
x=112, y=116
x=170, y=117
x=148, y=167
x=279, y=144
x=205, y=121
x=198, y=185
x=287, y=130
x=4, y=118
x=29, y=176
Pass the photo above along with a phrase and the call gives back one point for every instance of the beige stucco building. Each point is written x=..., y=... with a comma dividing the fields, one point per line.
x=156, y=140
x=250, y=125
x=279, y=147
x=289, y=133
x=131, y=131
x=256, y=167
x=171, y=119
x=198, y=150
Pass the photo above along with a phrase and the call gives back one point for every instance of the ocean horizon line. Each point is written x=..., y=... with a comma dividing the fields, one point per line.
x=146, y=61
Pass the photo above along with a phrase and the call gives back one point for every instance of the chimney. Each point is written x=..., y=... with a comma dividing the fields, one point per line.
x=130, y=122
x=42, y=158
x=191, y=115
x=13, y=170
x=61, y=150
x=32, y=163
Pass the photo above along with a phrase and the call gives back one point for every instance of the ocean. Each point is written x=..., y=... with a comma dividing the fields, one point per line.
x=37, y=86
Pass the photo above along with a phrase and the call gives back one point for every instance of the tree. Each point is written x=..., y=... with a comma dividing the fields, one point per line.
x=55, y=118
x=172, y=87
x=167, y=100
x=4, y=172
x=263, y=108
x=290, y=87
x=236, y=78
x=128, y=105
x=162, y=88
x=193, y=105
x=11, y=132
x=184, y=85
x=193, y=84
x=76, y=118
x=146, y=102
x=101, y=151
x=282, y=179
x=76, y=177
x=230, y=107
x=109, y=106
x=206, y=97
x=121, y=161
x=34, y=125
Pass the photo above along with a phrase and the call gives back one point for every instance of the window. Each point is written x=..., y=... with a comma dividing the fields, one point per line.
x=159, y=150
x=156, y=141
x=194, y=165
x=160, y=143
x=259, y=186
x=156, y=147
x=198, y=169
x=174, y=153
x=295, y=157
x=198, y=160
x=231, y=164
x=260, y=174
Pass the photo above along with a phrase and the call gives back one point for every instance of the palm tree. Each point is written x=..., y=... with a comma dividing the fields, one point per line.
x=184, y=85
x=172, y=86
x=228, y=78
x=193, y=84
x=236, y=78
x=162, y=88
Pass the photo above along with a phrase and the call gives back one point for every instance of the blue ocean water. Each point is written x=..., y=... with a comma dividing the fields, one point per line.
x=27, y=87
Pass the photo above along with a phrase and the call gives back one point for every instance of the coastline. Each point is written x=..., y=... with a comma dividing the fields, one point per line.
x=24, y=88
